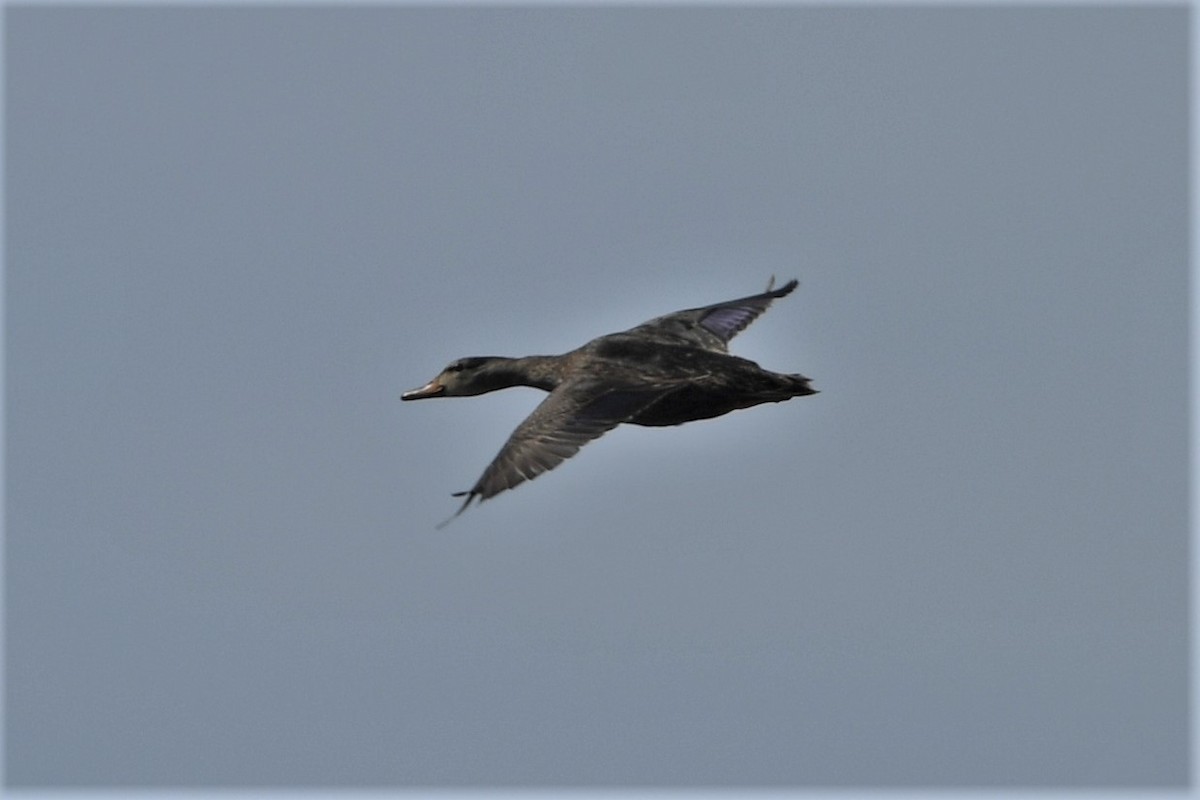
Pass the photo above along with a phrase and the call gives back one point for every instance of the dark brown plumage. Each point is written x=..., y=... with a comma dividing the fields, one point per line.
x=670, y=370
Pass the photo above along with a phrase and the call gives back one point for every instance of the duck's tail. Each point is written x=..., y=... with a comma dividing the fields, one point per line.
x=773, y=387
x=797, y=385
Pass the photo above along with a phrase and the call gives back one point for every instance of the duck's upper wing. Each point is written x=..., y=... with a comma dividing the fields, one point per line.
x=575, y=413
x=713, y=326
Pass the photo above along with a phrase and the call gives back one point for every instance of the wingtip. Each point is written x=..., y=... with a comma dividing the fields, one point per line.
x=782, y=291
x=470, y=494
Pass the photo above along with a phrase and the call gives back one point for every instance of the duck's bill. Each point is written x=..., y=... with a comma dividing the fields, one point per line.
x=431, y=389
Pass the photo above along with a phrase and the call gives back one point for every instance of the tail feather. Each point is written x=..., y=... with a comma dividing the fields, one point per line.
x=798, y=385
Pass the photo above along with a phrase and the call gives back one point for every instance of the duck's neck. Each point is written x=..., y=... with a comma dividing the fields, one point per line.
x=540, y=372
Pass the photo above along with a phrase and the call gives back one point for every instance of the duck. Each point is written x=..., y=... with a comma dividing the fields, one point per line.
x=668, y=371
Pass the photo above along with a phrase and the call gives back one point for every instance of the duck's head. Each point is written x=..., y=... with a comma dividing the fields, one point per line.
x=461, y=378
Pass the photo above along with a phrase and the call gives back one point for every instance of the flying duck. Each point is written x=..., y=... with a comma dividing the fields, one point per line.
x=671, y=370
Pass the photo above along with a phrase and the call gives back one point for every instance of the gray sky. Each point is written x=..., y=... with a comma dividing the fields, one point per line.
x=236, y=235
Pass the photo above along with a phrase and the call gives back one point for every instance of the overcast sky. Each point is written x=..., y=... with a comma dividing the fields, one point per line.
x=234, y=236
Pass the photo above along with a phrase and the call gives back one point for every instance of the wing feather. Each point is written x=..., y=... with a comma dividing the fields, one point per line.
x=713, y=326
x=570, y=417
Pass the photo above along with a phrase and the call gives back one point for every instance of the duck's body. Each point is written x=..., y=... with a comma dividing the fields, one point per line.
x=668, y=371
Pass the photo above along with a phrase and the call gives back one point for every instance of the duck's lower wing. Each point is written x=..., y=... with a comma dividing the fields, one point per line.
x=574, y=414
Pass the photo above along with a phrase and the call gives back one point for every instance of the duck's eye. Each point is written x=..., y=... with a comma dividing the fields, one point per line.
x=455, y=367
